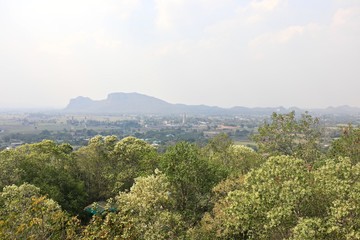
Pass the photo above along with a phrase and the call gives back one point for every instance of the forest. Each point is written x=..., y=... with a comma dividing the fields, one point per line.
x=292, y=186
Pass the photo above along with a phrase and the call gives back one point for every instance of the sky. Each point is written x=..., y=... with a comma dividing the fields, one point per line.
x=253, y=53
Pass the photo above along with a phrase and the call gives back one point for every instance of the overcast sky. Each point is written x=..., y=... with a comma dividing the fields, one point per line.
x=303, y=53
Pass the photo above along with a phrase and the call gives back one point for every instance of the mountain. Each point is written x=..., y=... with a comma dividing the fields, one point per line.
x=341, y=110
x=136, y=103
x=119, y=103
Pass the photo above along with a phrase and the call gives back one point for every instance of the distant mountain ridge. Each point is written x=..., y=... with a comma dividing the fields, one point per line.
x=136, y=103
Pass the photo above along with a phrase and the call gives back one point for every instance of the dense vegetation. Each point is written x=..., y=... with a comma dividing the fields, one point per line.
x=291, y=188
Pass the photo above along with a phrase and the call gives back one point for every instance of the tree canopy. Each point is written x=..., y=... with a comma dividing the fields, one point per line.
x=291, y=187
x=287, y=135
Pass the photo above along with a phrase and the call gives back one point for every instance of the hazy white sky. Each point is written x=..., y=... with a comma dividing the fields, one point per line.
x=302, y=53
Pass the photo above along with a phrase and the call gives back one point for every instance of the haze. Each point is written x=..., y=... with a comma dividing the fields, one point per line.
x=215, y=52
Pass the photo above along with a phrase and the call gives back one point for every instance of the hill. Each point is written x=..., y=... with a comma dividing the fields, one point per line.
x=136, y=103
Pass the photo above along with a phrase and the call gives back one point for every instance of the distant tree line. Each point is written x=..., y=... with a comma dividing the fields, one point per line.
x=79, y=137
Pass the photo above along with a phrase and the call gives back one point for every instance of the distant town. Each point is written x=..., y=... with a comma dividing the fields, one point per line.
x=159, y=130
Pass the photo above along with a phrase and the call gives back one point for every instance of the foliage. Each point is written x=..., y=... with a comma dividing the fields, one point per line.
x=146, y=212
x=220, y=191
x=133, y=158
x=193, y=178
x=25, y=214
x=244, y=159
x=231, y=160
x=108, y=165
x=348, y=145
x=286, y=135
x=94, y=164
x=50, y=167
x=283, y=200
x=10, y=171
x=219, y=145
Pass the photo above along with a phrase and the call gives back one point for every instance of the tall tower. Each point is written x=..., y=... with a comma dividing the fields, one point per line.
x=184, y=118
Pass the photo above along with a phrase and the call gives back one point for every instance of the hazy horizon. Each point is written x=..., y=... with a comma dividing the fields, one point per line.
x=252, y=53
x=35, y=109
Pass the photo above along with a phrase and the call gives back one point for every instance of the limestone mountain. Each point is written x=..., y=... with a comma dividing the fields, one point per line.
x=136, y=103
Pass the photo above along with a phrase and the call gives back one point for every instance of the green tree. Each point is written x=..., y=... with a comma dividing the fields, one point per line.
x=244, y=159
x=9, y=168
x=145, y=212
x=192, y=176
x=286, y=135
x=230, y=159
x=95, y=167
x=283, y=199
x=219, y=146
x=348, y=145
x=108, y=165
x=25, y=214
x=48, y=166
x=132, y=158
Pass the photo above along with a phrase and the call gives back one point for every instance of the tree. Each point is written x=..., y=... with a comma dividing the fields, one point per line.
x=219, y=145
x=145, y=212
x=95, y=167
x=219, y=152
x=132, y=158
x=286, y=135
x=108, y=165
x=50, y=167
x=244, y=160
x=10, y=171
x=25, y=214
x=284, y=199
x=230, y=159
x=192, y=176
x=348, y=145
